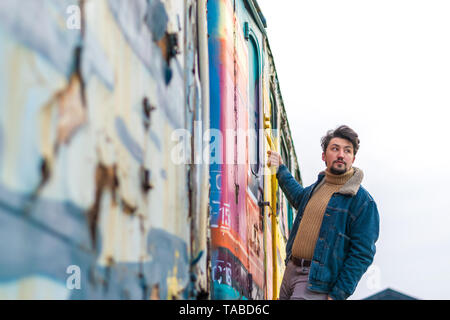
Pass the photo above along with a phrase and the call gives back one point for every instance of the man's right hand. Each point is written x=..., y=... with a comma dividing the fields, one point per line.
x=274, y=159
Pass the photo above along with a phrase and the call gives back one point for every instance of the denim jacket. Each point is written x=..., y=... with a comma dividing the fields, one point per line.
x=346, y=244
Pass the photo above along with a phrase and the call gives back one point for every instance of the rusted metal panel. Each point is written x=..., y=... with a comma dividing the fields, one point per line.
x=99, y=198
x=87, y=177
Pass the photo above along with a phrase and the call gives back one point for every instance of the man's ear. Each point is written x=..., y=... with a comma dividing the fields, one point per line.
x=323, y=156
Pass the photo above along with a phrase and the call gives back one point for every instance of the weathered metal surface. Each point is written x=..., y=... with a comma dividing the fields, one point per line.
x=99, y=199
x=86, y=176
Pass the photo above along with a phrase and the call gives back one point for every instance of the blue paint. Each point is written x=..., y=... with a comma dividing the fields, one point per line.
x=130, y=18
x=44, y=241
x=156, y=19
x=225, y=292
x=128, y=141
x=29, y=156
x=53, y=42
x=168, y=73
x=54, y=235
x=214, y=75
x=219, y=290
x=95, y=62
x=25, y=172
x=197, y=259
x=63, y=219
x=155, y=139
x=162, y=247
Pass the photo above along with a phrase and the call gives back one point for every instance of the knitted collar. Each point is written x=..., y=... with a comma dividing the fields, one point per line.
x=338, y=179
x=351, y=187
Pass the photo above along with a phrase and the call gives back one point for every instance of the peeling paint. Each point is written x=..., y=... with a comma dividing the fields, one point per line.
x=51, y=40
x=128, y=141
x=80, y=180
x=169, y=261
x=129, y=17
x=72, y=112
x=156, y=19
x=86, y=175
x=95, y=62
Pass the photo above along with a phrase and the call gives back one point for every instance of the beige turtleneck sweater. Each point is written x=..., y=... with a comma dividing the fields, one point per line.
x=308, y=231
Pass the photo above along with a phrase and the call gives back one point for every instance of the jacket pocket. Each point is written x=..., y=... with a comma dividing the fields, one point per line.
x=341, y=247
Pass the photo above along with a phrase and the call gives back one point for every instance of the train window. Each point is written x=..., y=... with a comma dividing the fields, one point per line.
x=284, y=154
x=253, y=108
x=273, y=111
x=287, y=162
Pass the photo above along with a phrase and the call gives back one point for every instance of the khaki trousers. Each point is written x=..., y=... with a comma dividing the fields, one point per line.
x=295, y=282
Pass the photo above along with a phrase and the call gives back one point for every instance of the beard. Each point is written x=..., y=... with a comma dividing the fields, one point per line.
x=338, y=171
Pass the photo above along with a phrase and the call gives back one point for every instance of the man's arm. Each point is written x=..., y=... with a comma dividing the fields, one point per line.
x=363, y=235
x=291, y=188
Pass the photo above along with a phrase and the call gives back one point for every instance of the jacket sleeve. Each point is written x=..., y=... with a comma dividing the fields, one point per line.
x=291, y=188
x=364, y=233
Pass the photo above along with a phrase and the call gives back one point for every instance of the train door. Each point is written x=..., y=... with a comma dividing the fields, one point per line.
x=254, y=173
x=253, y=114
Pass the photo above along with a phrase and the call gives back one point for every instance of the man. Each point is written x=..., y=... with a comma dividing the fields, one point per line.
x=332, y=241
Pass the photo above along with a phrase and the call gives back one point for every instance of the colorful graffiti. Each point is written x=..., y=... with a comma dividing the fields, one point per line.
x=247, y=244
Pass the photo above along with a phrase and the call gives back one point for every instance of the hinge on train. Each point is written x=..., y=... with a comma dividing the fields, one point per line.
x=173, y=44
x=262, y=204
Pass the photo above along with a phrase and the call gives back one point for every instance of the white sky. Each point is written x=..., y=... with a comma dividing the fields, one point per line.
x=383, y=68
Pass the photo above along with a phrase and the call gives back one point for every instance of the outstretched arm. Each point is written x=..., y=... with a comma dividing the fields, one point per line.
x=291, y=188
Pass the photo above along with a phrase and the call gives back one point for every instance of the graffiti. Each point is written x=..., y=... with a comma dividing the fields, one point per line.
x=222, y=273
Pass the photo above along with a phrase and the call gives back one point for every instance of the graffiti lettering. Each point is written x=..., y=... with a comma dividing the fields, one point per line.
x=221, y=272
x=225, y=217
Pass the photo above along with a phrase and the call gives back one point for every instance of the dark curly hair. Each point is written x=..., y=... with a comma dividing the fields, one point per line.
x=344, y=132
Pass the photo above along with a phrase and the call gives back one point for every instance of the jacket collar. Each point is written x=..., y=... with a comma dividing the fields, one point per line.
x=351, y=187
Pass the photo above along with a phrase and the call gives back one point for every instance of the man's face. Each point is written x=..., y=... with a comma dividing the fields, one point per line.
x=339, y=156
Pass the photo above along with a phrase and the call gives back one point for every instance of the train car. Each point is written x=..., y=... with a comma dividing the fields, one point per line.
x=123, y=170
x=250, y=219
x=93, y=203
